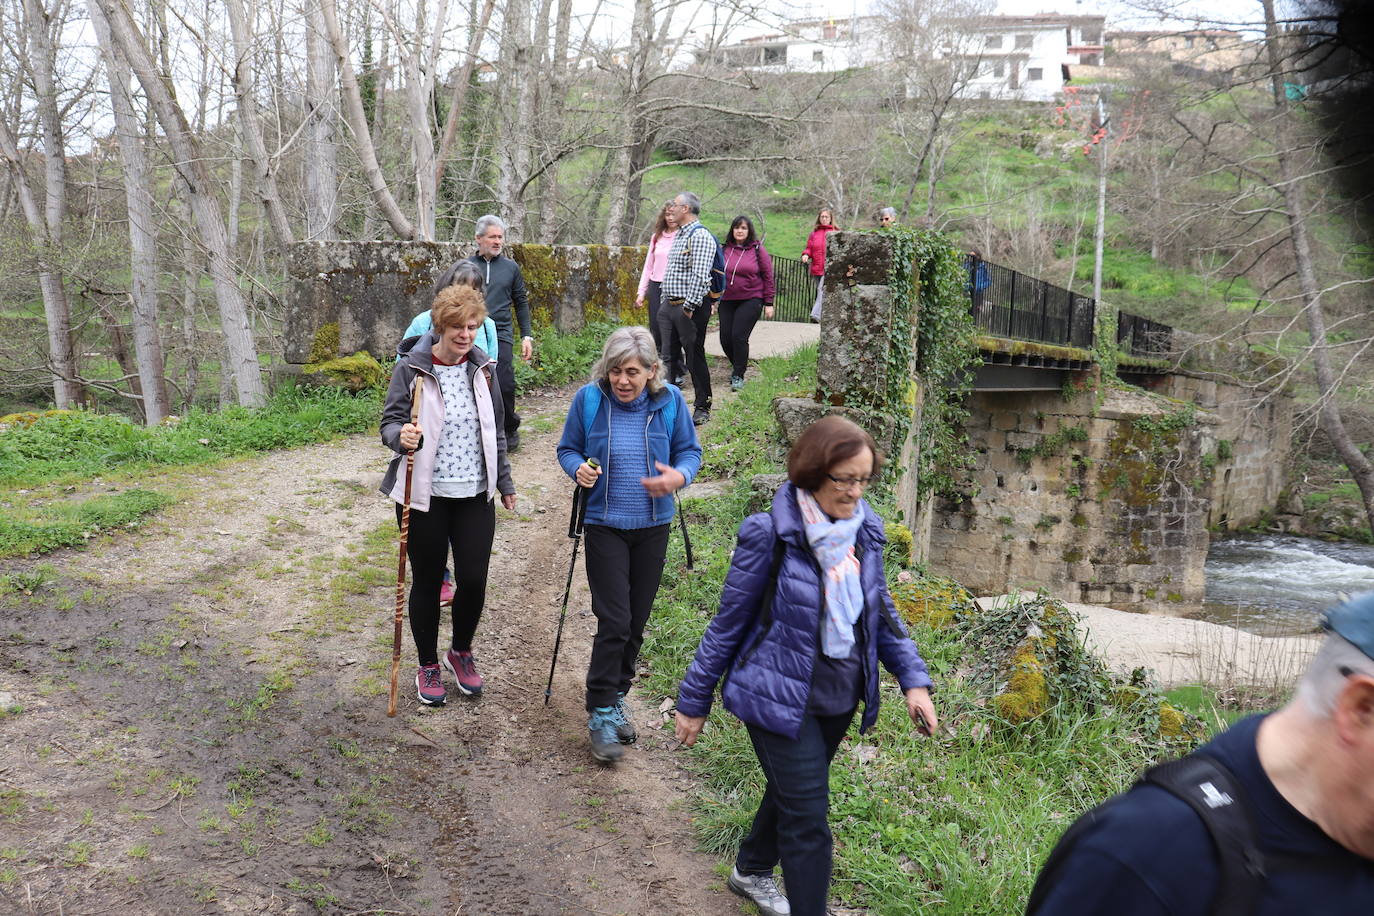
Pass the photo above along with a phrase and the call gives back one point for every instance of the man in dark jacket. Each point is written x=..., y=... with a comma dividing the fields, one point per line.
x=1305, y=777
x=507, y=302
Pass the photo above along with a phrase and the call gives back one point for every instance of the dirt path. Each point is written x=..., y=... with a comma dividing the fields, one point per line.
x=192, y=718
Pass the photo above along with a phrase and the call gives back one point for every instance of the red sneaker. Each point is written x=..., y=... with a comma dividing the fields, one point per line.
x=464, y=671
x=446, y=593
x=429, y=685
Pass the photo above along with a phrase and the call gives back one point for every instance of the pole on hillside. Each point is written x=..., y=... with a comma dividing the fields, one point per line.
x=1101, y=231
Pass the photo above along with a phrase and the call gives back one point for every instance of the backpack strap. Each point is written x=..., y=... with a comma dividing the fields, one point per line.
x=1211, y=790
x=589, y=408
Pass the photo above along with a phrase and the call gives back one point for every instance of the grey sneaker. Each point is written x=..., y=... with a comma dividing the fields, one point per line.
x=736, y=383
x=761, y=889
x=601, y=728
x=624, y=725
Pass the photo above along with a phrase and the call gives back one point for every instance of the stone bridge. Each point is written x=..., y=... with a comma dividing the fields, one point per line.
x=1096, y=492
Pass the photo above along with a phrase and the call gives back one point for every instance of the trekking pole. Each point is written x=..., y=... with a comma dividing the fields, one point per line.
x=401, y=563
x=579, y=512
x=686, y=541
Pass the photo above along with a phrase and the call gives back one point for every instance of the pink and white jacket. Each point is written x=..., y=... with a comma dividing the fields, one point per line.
x=419, y=360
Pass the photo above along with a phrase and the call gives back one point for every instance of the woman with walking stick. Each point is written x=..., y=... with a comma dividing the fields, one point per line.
x=639, y=431
x=805, y=617
x=460, y=466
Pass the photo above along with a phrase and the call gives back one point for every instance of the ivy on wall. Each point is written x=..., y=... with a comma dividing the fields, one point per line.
x=929, y=273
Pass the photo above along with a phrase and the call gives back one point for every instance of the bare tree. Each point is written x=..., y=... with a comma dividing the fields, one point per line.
x=242, y=75
x=138, y=193
x=46, y=213
x=240, y=350
x=356, y=118
x=321, y=155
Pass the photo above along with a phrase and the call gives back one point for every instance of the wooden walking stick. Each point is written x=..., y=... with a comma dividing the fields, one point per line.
x=401, y=563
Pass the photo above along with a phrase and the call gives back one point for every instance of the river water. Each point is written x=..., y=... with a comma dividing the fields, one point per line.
x=1279, y=584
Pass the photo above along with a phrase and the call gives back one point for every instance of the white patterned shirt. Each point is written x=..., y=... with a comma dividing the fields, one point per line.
x=460, y=469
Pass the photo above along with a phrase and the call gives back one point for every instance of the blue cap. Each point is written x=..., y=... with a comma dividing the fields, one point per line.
x=1354, y=622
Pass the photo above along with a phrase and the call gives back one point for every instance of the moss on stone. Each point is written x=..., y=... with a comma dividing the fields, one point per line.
x=1072, y=555
x=1027, y=694
x=356, y=372
x=932, y=601
x=325, y=345
x=989, y=344
x=899, y=543
x=30, y=417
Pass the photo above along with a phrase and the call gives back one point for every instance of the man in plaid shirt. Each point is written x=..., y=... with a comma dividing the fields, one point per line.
x=686, y=308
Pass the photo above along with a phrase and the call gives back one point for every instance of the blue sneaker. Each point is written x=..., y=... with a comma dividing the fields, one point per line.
x=624, y=725
x=605, y=742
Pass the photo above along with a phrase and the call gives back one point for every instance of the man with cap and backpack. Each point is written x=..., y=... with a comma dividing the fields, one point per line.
x=1274, y=816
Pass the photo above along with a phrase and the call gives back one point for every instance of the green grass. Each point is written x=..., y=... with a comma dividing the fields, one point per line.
x=562, y=358
x=49, y=526
x=65, y=446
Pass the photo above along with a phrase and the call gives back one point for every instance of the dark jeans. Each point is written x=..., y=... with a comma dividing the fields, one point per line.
x=691, y=330
x=505, y=380
x=624, y=566
x=468, y=525
x=672, y=365
x=791, y=826
x=737, y=320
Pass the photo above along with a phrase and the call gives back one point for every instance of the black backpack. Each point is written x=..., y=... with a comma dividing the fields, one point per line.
x=1210, y=789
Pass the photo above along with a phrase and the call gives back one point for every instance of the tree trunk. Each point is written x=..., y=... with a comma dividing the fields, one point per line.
x=553, y=116
x=242, y=75
x=460, y=90
x=357, y=122
x=189, y=163
x=321, y=155
x=623, y=171
x=138, y=194
x=1290, y=177
x=513, y=155
x=46, y=223
x=420, y=58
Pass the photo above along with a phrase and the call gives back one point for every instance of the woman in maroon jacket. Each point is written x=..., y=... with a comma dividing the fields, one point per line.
x=814, y=255
x=748, y=291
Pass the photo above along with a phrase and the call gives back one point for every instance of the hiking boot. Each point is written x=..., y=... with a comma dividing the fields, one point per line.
x=464, y=671
x=700, y=416
x=761, y=889
x=446, y=591
x=512, y=443
x=624, y=725
x=680, y=379
x=429, y=685
x=605, y=742
x=736, y=382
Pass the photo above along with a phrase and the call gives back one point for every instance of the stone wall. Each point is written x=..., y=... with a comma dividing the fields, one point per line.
x=350, y=296
x=1253, y=434
x=853, y=367
x=1081, y=499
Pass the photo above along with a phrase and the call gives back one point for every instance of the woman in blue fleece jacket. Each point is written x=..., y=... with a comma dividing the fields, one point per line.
x=805, y=618
x=640, y=432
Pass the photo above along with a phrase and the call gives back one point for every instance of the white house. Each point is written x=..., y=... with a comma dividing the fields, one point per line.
x=1030, y=57
x=805, y=46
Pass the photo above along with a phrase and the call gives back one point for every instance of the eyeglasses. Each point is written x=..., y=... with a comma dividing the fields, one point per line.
x=847, y=483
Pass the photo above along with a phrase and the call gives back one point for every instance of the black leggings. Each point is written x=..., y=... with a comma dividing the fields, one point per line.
x=623, y=570
x=737, y=320
x=469, y=525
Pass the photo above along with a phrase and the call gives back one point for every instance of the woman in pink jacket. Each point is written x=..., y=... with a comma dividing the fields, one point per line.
x=814, y=255
x=651, y=282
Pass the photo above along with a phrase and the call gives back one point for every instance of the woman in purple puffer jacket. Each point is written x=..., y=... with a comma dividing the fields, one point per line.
x=805, y=617
x=748, y=293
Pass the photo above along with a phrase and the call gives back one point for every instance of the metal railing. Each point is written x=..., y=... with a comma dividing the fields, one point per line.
x=795, y=290
x=1006, y=303
x=1143, y=338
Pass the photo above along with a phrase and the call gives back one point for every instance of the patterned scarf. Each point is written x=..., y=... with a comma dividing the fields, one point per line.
x=833, y=544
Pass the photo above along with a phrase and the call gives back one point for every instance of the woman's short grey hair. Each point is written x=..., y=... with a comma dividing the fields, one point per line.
x=485, y=223
x=890, y=212
x=630, y=343
x=691, y=201
x=1326, y=674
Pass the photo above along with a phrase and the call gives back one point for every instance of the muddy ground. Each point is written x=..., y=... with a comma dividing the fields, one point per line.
x=192, y=717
